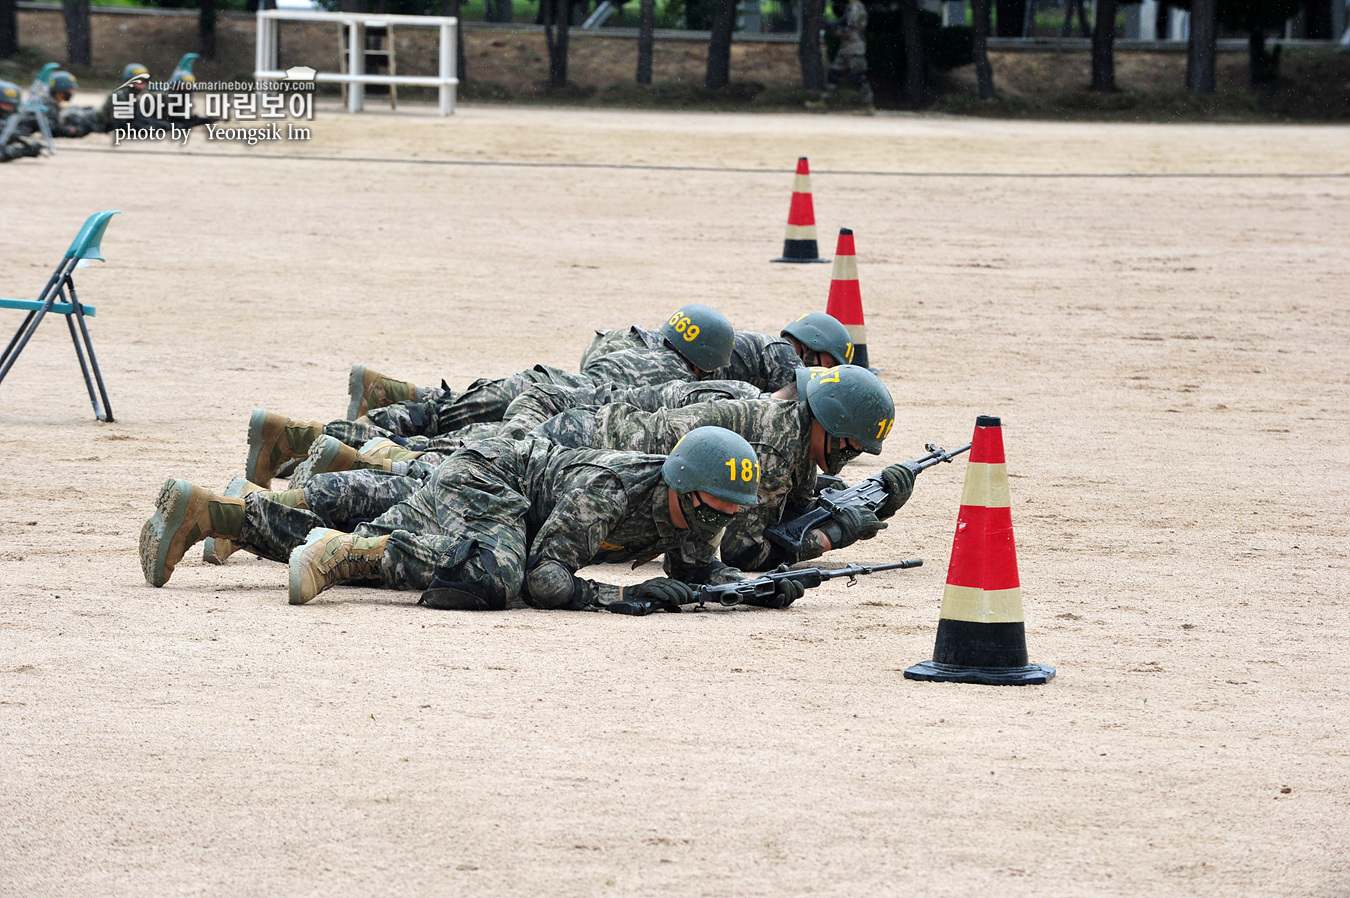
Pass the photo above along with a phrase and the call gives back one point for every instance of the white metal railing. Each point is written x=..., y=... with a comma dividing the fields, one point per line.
x=265, y=65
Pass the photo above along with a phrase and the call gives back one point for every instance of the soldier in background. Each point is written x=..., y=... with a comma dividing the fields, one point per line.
x=851, y=58
x=16, y=147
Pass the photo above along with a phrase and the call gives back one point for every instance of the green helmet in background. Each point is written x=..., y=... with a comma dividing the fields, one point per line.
x=63, y=83
x=715, y=461
x=9, y=97
x=131, y=70
x=849, y=402
x=702, y=335
x=819, y=332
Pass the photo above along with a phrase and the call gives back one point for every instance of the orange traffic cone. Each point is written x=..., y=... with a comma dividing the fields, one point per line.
x=845, y=302
x=981, y=635
x=800, y=245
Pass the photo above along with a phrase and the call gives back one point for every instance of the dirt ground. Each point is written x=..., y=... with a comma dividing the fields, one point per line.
x=1157, y=313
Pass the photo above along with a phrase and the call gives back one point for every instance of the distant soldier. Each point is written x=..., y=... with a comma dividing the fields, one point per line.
x=16, y=147
x=851, y=58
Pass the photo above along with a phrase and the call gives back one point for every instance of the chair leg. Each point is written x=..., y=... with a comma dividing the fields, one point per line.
x=102, y=412
x=5, y=358
x=21, y=340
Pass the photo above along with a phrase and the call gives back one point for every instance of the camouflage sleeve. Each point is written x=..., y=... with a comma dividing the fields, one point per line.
x=695, y=561
x=572, y=535
x=781, y=364
x=77, y=121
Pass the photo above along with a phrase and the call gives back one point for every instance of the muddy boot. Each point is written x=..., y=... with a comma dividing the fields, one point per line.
x=329, y=557
x=273, y=440
x=184, y=515
x=217, y=549
x=370, y=389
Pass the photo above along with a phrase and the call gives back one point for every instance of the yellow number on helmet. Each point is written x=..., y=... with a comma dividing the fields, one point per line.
x=731, y=463
x=747, y=469
x=884, y=428
x=848, y=353
x=692, y=332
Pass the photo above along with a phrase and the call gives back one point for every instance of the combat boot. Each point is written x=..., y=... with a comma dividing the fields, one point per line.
x=329, y=557
x=370, y=389
x=184, y=515
x=273, y=440
x=382, y=448
x=329, y=454
x=217, y=549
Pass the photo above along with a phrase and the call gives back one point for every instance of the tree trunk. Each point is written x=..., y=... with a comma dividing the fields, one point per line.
x=497, y=10
x=914, y=61
x=1317, y=21
x=1104, y=48
x=79, y=50
x=719, y=45
x=983, y=72
x=557, y=26
x=646, y=24
x=1011, y=17
x=808, y=47
x=206, y=29
x=1200, y=59
x=9, y=29
x=451, y=8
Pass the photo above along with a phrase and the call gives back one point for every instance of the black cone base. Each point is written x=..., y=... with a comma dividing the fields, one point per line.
x=800, y=251
x=937, y=672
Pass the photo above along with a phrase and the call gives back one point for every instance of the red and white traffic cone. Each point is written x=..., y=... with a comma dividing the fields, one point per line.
x=981, y=636
x=845, y=302
x=800, y=244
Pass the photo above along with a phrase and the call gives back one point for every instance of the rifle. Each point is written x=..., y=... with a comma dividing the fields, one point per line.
x=869, y=494
x=731, y=594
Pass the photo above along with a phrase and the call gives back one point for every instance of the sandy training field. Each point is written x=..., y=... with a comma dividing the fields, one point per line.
x=1157, y=313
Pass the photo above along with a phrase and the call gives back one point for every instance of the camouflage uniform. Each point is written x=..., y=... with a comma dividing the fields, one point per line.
x=851, y=58
x=768, y=362
x=488, y=399
x=524, y=516
x=77, y=121
x=778, y=429
x=17, y=147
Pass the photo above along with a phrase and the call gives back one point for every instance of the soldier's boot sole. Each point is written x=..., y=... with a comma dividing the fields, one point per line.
x=171, y=530
x=356, y=393
x=305, y=584
x=218, y=549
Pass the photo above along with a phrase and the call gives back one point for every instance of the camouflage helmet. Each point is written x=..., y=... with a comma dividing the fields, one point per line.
x=715, y=461
x=9, y=96
x=701, y=335
x=849, y=402
x=822, y=333
x=62, y=82
x=132, y=70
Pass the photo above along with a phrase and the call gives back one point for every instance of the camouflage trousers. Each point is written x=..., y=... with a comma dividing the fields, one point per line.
x=339, y=501
x=485, y=400
x=467, y=500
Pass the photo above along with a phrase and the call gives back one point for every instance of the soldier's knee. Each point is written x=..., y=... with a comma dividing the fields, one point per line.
x=549, y=584
x=469, y=579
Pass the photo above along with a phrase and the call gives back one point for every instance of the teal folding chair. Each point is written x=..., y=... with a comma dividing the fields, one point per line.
x=59, y=297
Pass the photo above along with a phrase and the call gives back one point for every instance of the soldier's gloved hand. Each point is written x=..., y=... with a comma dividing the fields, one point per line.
x=662, y=591
x=899, y=482
x=848, y=525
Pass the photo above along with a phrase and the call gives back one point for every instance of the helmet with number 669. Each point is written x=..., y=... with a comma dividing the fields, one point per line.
x=702, y=335
x=715, y=461
x=849, y=402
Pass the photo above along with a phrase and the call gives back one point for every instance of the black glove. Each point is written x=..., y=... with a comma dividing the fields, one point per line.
x=848, y=525
x=899, y=482
x=662, y=591
x=787, y=591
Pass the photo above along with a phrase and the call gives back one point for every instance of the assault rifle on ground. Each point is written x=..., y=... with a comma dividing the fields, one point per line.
x=730, y=594
x=868, y=494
